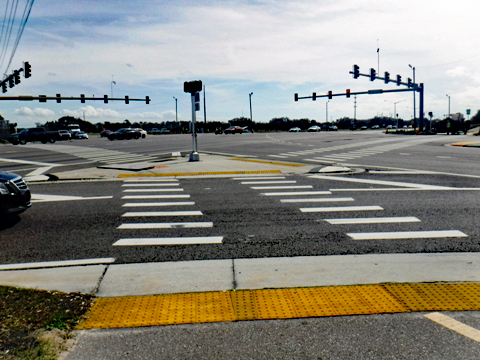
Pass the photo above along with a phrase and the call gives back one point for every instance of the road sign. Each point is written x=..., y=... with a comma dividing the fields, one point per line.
x=468, y=111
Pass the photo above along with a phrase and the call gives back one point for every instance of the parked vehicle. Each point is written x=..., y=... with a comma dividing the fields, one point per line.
x=246, y=129
x=233, y=130
x=124, y=133
x=34, y=134
x=314, y=128
x=104, y=133
x=14, y=194
x=73, y=128
x=80, y=135
x=375, y=127
x=332, y=128
x=364, y=127
x=218, y=131
x=295, y=129
x=164, y=131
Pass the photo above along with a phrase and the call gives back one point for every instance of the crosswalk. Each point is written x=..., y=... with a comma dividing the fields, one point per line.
x=96, y=154
x=149, y=190
x=291, y=197
x=339, y=153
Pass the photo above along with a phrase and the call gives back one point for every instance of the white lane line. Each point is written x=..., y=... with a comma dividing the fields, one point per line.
x=152, y=184
x=259, y=178
x=297, y=193
x=378, y=182
x=404, y=189
x=53, y=264
x=150, y=180
x=48, y=198
x=162, y=213
x=278, y=156
x=317, y=200
x=282, y=187
x=399, y=172
x=38, y=171
x=143, y=226
x=444, y=157
x=178, y=203
x=170, y=241
x=455, y=325
x=151, y=190
x=319, y=160
x=142, y=197
x=404, y=154
x=269, y=182
x=341, y=208
x=408, y=235
x=376, y=220
x=28, y=162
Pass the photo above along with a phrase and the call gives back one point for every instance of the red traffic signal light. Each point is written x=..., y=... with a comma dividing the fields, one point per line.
x=329, y=94
x=348, y=93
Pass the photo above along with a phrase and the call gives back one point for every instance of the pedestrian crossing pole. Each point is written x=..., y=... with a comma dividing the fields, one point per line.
x=194, y=88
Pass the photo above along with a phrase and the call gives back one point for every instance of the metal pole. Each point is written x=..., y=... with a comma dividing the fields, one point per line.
x=176, y=112
x=421, y=90
x=194, y=155
x=204, y=109
x=250, y=96
x=326, y=111
x=414, y=96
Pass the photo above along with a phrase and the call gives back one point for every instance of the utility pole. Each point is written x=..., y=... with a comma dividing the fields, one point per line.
x=204, y=108
x=448, y=115
x=414, y=110
x=250, y=96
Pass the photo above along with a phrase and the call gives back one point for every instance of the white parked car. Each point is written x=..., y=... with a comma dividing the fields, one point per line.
x=314, y=128
x=143, y=133
x=295, y=129
x=80, y=135
x=375, y=127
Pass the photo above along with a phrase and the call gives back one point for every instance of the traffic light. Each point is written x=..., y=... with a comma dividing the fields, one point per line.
x=296, y=97
x=147, y=100
x=373, y=74
x=59, y=98
x=399, y=80
x=16, y=77
x=4, y=86
x=27, y=69
x=105, y=99
x=356, y=71
x=409, y=81
x=126, y=100
x=387, y=77
x=192, y=86
x=82, y=98
x=329, y=94
x=314, y=96
x=348, y=93
x=11, y=82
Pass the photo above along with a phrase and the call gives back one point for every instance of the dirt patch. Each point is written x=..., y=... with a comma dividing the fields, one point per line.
x=38, y=324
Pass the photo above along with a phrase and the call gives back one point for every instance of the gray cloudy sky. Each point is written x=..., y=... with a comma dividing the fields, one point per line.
x=271, y=48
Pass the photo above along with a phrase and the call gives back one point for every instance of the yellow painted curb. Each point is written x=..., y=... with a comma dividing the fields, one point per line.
x=464, y=143
x=268, y=162
x=224, y=306
x=246, y=172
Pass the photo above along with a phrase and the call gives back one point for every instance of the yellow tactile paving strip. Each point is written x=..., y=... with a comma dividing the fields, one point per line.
x=246, y=172
x=223, y=306
x=281, y=163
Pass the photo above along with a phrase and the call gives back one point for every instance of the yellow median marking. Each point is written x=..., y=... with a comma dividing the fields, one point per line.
x=268, y=162
x=246, y=172
x=466, y=143
x=225, y=306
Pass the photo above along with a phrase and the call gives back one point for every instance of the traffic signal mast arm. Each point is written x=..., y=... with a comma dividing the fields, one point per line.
x=82, y=98
x=369, y=92
x=386, y=79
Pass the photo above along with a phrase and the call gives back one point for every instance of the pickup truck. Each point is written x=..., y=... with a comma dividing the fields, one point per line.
x=34, y=134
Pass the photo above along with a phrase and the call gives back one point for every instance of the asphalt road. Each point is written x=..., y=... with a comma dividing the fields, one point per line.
x=252, y=223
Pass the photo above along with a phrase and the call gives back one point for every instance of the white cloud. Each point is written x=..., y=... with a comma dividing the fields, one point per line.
x=37, y=112
x=457, y=72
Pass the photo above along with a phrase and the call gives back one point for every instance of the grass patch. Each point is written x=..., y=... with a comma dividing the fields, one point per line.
x=34, y=324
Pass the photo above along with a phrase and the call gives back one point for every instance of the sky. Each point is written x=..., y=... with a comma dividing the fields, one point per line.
x=272, y=49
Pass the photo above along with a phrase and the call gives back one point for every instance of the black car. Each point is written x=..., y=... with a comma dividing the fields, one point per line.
x=105, y=133
x=14, y=194
x=124, y=133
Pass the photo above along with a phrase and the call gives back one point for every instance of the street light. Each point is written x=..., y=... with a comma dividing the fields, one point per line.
x=413, y=68
x=326, y=115
x=176, y=113
x=395, y=109
x=250, y=97
x=448, y=115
